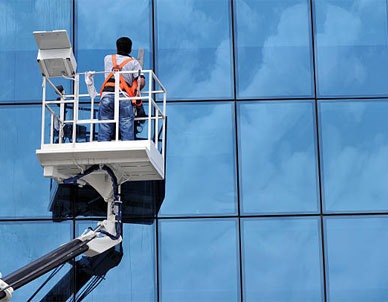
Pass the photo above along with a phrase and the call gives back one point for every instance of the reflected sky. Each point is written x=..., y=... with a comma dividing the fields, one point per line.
x=25, y=192
x=277, y=157
x=21, y=243
x=194, y=48
x=199, y=260
x=201, y=159
x=97, y=32
x=134, y=279
x=281, y=260
x=273, y=48
x=352, y=47
x=357, y=258
x=18, y=49
x=354, y=148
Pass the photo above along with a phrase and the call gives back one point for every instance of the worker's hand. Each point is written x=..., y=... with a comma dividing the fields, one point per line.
x=141, y=82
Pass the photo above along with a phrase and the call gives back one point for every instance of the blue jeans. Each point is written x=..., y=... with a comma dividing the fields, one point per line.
x=126, y=119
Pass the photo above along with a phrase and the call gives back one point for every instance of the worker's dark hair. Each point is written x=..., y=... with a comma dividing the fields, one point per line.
x=124, y=44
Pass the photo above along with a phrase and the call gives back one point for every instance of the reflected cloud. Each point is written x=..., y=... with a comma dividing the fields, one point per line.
x=201, y=158
x=20, y=19
x=25, y=190
x=354, y=150
x=283, y=257
x=355, y=249
x=282, y=65
x=131, y=18
x=207, y=270
x=194, y=58
x=352, y=41
x=277, y=157
x=340, y=28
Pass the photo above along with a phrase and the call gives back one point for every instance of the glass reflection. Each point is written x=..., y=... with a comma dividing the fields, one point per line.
x=194, y=48
x=97, y=35
x=199, y=260
x=200, y=154
x=20, y=78
x=356, y=258
x=351, y=42
x=134, y=278
x=21, y=244
x=277, y=157
x=354, y=148
x=273, y=48
x=282, y=260
x=25, y=190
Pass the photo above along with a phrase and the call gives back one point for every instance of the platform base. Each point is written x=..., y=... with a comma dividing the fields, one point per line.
x=130, y=160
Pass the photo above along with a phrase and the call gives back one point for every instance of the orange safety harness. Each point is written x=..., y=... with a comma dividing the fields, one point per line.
x=110, y=81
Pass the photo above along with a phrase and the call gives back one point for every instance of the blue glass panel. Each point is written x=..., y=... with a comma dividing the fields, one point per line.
x=356, y=253
x=22, y=243
x=25, y=192
x=134, y=278
x=20, y=77
x=282, y=260
x=354, y=136
x=199, y=260
x=273, y=48
x=100, y=23
x=201, y=172
x=277, y=157
x=194, y=48
x=351, y=42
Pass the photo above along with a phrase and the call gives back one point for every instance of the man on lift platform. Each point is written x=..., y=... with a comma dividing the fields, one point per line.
x=104, y=166
x=130, y=83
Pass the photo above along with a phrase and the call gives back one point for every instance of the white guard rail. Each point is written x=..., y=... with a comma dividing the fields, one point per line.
x=70, y=124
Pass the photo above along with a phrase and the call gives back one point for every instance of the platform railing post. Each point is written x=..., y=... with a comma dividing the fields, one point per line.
x=91, y=119
x=43, y=109
x=150, y=78
x=61, y=119
x=164, y=125
x=76, y=101
x=156, y=128
x=116, y=108
x=51, y=129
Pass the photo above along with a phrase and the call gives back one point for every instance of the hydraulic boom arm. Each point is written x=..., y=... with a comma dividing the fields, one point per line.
x=106, y=235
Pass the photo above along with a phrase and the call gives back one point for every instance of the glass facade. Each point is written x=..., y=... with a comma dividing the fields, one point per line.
x=277, y=144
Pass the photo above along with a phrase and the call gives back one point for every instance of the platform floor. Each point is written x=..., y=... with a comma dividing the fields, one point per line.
x=132, y=160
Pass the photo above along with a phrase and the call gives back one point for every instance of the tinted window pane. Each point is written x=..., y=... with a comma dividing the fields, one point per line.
x=282, y=260
x=273, y=48
x=100, y=23
x=277, y=157
x=20, y=77
x=134, y=278
x=22, y=243
x=199, y=260
x=356, y=255
x=194, y=48
x=352, y=40
x=354, y=145
x=200, y=169
x=25, y=192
